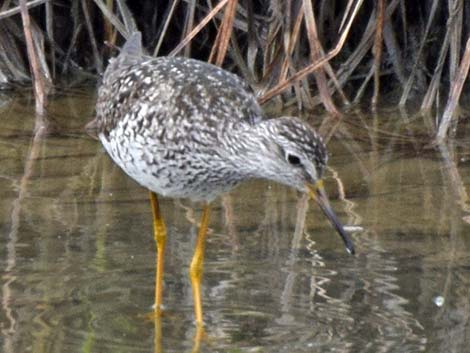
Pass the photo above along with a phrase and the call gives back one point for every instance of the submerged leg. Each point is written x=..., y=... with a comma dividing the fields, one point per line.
x=159, y=234
x=157, y=339
x=196, y=268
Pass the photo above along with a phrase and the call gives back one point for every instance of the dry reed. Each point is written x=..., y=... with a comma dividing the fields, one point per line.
x=293, y=51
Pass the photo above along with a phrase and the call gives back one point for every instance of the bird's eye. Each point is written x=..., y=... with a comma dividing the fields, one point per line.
x=292, y=159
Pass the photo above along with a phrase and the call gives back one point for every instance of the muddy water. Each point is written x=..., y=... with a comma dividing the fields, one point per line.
x=77, y=253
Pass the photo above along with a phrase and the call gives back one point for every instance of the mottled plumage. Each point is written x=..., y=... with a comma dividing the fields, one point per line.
x=185, y=128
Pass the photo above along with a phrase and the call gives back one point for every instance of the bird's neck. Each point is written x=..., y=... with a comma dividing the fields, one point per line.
x=250, y=151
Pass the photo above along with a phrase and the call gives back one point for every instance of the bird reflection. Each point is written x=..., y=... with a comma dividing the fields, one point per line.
x=199, y=335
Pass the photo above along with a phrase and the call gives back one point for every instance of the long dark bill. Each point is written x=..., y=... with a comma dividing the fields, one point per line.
x=317, y=192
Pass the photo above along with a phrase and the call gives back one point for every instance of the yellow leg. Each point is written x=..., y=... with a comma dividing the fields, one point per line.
x=159, y=234
x=196, y=268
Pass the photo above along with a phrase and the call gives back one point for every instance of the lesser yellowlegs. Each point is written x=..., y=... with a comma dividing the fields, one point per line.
x=187, y=129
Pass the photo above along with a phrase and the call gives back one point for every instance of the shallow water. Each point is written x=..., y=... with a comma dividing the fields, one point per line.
x=77, y=253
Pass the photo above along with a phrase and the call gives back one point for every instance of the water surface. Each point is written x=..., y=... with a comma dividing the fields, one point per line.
x=77, y=252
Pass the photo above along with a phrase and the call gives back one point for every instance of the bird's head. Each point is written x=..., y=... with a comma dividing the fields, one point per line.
x=295, y=155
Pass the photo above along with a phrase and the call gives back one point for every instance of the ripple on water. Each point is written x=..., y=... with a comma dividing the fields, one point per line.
x=77, y=252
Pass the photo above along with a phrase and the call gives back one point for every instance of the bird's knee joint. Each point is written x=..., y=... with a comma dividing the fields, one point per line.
x=195, y=271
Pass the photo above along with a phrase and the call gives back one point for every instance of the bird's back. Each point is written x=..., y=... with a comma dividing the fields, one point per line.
x=178, y=98
x=166, y=121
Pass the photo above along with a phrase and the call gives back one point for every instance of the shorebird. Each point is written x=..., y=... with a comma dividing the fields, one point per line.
x=183, y=128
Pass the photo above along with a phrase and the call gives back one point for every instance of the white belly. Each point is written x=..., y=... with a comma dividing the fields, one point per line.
x=172, y=177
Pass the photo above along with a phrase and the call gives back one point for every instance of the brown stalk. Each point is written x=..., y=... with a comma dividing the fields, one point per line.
x=225, y=32
x=271, y=50
x=315, y=54
x=281, y=86
x=216, y=42
x=349, y=66
x=38, y=79
x=454, y=94
x=198, y=28
x=377, y=50
x=326, y=10
x=290, y=46
x=291, y=39
x=108, y=28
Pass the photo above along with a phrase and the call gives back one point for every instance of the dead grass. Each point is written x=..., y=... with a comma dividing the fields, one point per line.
x=302, y=52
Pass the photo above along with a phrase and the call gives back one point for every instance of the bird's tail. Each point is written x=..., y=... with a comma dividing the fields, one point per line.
x=131, y=53
x=132, y=50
